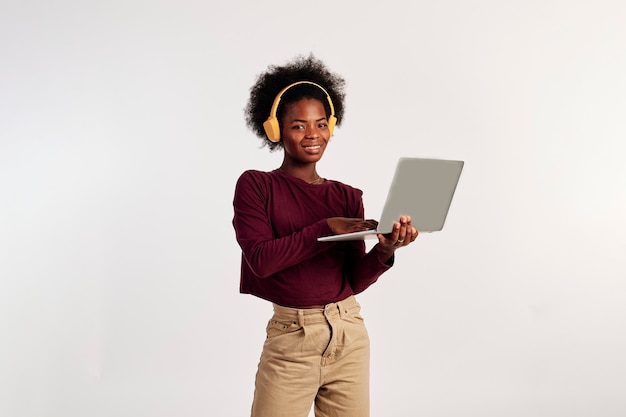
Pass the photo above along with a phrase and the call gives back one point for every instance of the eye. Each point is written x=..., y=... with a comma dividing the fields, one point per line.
x=322, y=125
x=297, y=127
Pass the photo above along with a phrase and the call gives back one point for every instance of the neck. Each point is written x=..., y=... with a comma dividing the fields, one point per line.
x=306, y=173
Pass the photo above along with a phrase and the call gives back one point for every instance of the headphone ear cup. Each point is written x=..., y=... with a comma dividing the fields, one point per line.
x=332, y=121
x=272, y=129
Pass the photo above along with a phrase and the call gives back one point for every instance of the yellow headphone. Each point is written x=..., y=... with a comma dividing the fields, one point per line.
x=271, y=126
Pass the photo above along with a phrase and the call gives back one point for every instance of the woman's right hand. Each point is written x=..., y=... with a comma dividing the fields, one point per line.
x=341, y=225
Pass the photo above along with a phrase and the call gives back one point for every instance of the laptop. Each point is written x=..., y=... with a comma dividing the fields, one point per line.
x=421, y=188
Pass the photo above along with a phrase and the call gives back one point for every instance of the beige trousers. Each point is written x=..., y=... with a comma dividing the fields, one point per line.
x=313, y=356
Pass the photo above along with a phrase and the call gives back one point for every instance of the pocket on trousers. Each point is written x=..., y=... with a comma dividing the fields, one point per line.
x=356, y=319
x=353, y=315
x=277, y=328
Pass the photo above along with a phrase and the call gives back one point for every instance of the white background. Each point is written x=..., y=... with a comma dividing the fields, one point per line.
x=121, y=138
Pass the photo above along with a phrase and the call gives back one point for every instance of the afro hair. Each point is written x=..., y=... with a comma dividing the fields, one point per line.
x=275, y=78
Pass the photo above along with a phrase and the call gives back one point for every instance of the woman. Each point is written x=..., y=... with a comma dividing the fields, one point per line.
x=317, y=347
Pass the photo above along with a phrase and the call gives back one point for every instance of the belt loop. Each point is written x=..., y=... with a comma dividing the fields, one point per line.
x=342, y=309
x=300, y=318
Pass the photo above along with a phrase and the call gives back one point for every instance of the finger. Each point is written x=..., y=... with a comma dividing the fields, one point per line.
x=391, y=238
x=386, y=241
x=395, y=233
x=371, y=224
x=411, y=232
x=410, y=236
x=402, y=232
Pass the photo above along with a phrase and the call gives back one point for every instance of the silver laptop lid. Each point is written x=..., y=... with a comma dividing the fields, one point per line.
x=423, y=189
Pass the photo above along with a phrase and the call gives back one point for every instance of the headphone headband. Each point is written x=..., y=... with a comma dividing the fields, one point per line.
x=271, y=125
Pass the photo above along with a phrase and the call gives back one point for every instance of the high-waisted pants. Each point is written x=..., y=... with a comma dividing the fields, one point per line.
x=314, y=357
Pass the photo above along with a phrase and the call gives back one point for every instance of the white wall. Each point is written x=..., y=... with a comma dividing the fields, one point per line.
x=121, y=137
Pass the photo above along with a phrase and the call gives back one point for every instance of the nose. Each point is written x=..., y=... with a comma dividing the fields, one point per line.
x=312, y=132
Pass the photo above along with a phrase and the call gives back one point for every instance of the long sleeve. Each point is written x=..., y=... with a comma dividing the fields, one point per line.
x=264, y=252
x=364, y=269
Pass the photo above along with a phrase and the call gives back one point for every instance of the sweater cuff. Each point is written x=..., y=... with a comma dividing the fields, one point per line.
x=390, y=261
x=324, y=228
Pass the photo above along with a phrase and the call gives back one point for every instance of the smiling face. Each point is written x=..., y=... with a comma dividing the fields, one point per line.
x=304, y=132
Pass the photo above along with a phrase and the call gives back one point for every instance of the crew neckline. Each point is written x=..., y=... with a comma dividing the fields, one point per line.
x=300, y=180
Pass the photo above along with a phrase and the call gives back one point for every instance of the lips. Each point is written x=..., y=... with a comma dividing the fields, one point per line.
x=313, y=148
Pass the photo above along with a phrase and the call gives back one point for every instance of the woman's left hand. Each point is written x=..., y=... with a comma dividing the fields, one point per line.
x=403, y=234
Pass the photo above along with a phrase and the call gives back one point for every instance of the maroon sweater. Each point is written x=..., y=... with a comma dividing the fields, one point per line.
x=277, y=220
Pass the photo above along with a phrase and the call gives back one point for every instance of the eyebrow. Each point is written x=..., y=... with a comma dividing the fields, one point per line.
x=304, y=121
